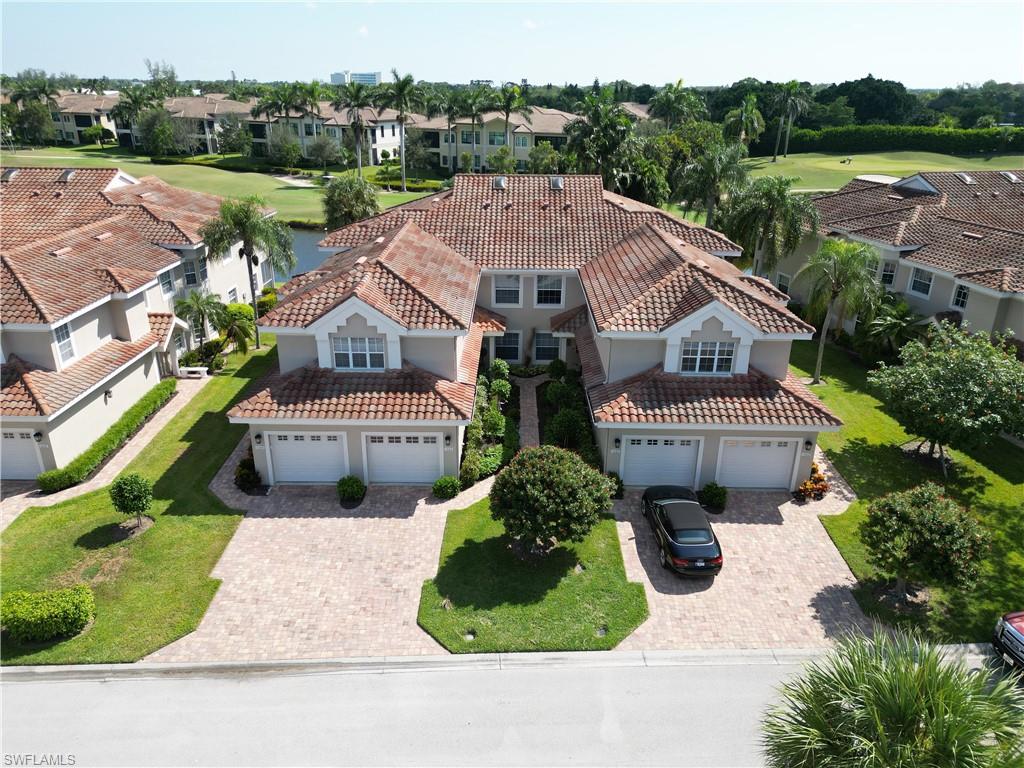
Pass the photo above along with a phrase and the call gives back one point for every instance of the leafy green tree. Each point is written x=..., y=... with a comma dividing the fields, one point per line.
x=466, y=162
x=163, y=79
x=840, y=275
x=894, y=701
x=247, y=221
x=404, y=96
x=355, y=100
x=510, y=101
x=234, y=136
x=35, y=88
x=719, y=171
x=501, y=161
x=97, y=134
x=163, y=135
x=746, y=121
x=417, y=156
x=324, y=151
x=348, y=199
x=675, y=104
x=544, y=158
x=923, y=536
x=201, y=309
x=33, y=123
x=132, y=494
x=284, y=149
x=959, y=389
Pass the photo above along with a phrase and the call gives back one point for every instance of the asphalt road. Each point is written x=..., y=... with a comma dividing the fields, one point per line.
x=696, y=714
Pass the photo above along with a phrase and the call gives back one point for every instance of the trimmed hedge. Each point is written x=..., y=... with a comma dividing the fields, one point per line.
x=889, y=138
x=83, y=465
x=35, y=617
x=447, y=487
x=351, y=488
x=420, y=185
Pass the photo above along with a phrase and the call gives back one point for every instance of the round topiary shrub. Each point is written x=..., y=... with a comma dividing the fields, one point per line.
x=499, y=370
x=35, y=617
x=568, y=428
x=132, y=494
x=351, y=488
x=556, y=369
x=547, y=495
x=447, y=487
x=713, y=496
x=501, y=389
x=475, y=434
x=493, y=423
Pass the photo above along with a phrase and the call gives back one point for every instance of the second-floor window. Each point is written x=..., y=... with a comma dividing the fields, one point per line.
x=960, y=295
x=506, y=290
x=307, y=129
x=522, y=141
x=202, y=270
x=921, y=282
x=468, y=136
x=707, y=356
x=66, y=348
x=233, y=296
x=358, y=353
x=888, y=276
x=496, y=138
x=190, y=273
x=782, y=282
x=167, y=282
x=549, y=290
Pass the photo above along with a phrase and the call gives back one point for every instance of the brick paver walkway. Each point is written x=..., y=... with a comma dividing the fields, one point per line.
x=529, y=423
x=304, y=578
x=784, y=584
x=19, y=495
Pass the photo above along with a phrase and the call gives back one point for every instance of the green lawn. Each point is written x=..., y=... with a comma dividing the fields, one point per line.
x=988, y=481
x=154, y=589
x=825, y=171
x=513, y=605
x=291, y=203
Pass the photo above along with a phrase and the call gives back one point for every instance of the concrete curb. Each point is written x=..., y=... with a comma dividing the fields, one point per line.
x=973, y=654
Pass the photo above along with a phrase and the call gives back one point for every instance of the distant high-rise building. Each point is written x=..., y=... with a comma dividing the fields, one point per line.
x=368, y=78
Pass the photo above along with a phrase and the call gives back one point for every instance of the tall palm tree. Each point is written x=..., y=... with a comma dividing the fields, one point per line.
x=790, y=102
x=676, y=104
x=309, y=96
x=354, y=99
x=510, y=102
x=201, y=309
x=246, y=221
x=476, y=102
x=841, y=275
x=291, y=100
x=894, y=701
x=35, y=89
x=452, y=108
x=270, y=106
x=718, y=171
x=768, y=221
x=404, y=96
x=132, y=102
x=746, y=121
x=596, y=137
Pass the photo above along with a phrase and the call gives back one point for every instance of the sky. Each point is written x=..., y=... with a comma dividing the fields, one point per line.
x=922, y=44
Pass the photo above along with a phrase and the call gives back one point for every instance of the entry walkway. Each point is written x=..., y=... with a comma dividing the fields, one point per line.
x=529, y=421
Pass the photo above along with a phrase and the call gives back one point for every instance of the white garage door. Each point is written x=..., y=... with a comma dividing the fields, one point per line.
x=18, y=457
x=752, y=463
x=659, y=461
x=402, y=458
x=308, y=457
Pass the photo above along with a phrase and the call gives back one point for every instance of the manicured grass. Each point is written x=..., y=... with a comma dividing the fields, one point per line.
x=291, y=203
x=156, y=588
x=825, y=171
x=988, y=481
x=513, y=605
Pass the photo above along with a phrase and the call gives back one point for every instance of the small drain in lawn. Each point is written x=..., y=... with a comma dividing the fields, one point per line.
x=470, y=636
x=579, y=568
x=602, y=630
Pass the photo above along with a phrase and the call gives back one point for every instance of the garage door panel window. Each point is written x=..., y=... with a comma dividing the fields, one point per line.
x=656, y=461
x=359, y=354
x=707, y=357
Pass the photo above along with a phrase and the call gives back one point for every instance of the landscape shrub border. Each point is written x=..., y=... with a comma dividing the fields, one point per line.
x=36, y=617
x=131, y=421
x=492, y=437
x=891, y=138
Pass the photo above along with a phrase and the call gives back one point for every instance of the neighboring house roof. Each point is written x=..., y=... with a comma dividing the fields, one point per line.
x=370, y=115
x=542, y=120
x=205, y=107
x=970, y=225
x=86, y=103
x=406, y=273
x=409, y=393
x=636, y=109
x=656, y=397
x=650, y=280
x=528, y=225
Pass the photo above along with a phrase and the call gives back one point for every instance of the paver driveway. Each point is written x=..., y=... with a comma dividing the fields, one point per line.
x=304, y=578
x=783, y=584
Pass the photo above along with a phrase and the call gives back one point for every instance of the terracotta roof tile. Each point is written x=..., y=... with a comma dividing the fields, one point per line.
x=485, y=322
x=590, y=358
x=570, y=320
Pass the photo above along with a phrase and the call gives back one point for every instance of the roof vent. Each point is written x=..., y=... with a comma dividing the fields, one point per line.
x=507, y=206
x=966, y=178
x=104, y=235
x=499, y=182
x=545, y=205
x=894, y=197
x=61, y=251
x=556, y=182
x=567, y=206
x=67, y=175
x=977, y=194
x=973, y=236
x=379, y=240
x=9, y=174
x=487, y=204
x=1013, y=178
x=995, y=193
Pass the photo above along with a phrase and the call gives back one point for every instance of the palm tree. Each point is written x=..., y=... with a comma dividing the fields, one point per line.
x=132, y=102
x=746, y=121
x=597, y=135
x=718, y=171
x=510, y=101
x=291, y=100
x=768, y=221
x=894, y=324
x=477, y=101
x=35, y=89
x=403, y=95
x=308, y=101
x=355, y=99
x=270, y=106
x=840, y=275
x=201, y=309
x=237, y=329
x=247, y=221
x=791, y=101
x=891, y=701
x=676, y=104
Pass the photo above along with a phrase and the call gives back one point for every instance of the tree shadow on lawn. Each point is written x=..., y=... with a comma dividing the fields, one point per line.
x=103, y=536
x=482, y=575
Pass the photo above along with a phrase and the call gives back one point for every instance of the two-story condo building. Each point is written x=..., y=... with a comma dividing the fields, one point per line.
x=91, y=262
x=951, y=243
x=684, y=358
x=74, y=112
x=202, y=115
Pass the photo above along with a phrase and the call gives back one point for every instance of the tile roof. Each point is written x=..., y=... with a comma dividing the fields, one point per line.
x=528, y=225
x=29, y=390
x=571, y=320
x=490, y=322
x=656, y=397
x=408, y=393
x=205, y=107
x=485, y=323
x=590, y=358
x=542, y=120
x=406, y=273
x=86, y=103
x=161, y=325
x=637, y=110
x=650, y=280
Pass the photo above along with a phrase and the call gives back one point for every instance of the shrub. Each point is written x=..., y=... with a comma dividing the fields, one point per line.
x=713, y=496
x=528, y=371
x=888, y=138
x=499, y=370
x=556, y=369
x=189, y=359
x=490, y=460
x=351, y=488
x=617, y=484
x=482, y=393
x=83, y=465
x=268, y=290
x=241, y=311
x=35, y=617
x=132, y=494
x=482, y=383
x=469, y=472
x=502, y=388
x=474, y=434
x=266, y=303
x=247, y=478
x=568, y=428
x=447, y=487
x=560, y=395
x=493, y=423
x=510, y=442
x=546, y=495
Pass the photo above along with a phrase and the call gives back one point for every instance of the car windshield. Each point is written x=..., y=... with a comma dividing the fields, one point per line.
x=692, y=535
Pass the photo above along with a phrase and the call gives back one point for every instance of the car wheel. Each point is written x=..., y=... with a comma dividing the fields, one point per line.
x=663, y=558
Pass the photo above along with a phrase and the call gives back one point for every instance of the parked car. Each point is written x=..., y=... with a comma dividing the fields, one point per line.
x=1008, y=638
x=686, y=542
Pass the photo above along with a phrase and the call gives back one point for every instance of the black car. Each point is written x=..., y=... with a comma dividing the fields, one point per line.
x=686, y=542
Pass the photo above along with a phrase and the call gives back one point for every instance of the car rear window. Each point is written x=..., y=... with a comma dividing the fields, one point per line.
x=692, y=535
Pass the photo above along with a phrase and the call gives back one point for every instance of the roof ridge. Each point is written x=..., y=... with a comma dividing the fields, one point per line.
x=23, y=285
x=437, y=307
x=23, y=371
x=980, y=225
x=66, y=234
x=795, y=387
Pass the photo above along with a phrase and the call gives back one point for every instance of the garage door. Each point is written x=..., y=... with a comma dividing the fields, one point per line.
x=18, y=457
x=659, y=460
x=308, y=457
x=750, y=463
x=402, y=458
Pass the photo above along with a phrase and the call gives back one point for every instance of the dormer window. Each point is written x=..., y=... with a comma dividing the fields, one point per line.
x=352, y=353
x=65, y=346
x=705, y=357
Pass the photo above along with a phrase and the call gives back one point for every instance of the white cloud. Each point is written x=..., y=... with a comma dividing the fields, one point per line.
x=364, y=31
x=529, y=24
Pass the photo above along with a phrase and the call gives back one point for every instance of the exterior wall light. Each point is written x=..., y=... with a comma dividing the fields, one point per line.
x=258, y=438
x=38, y=437
x=618, y=442
x=808, y=445
x=447, y=441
